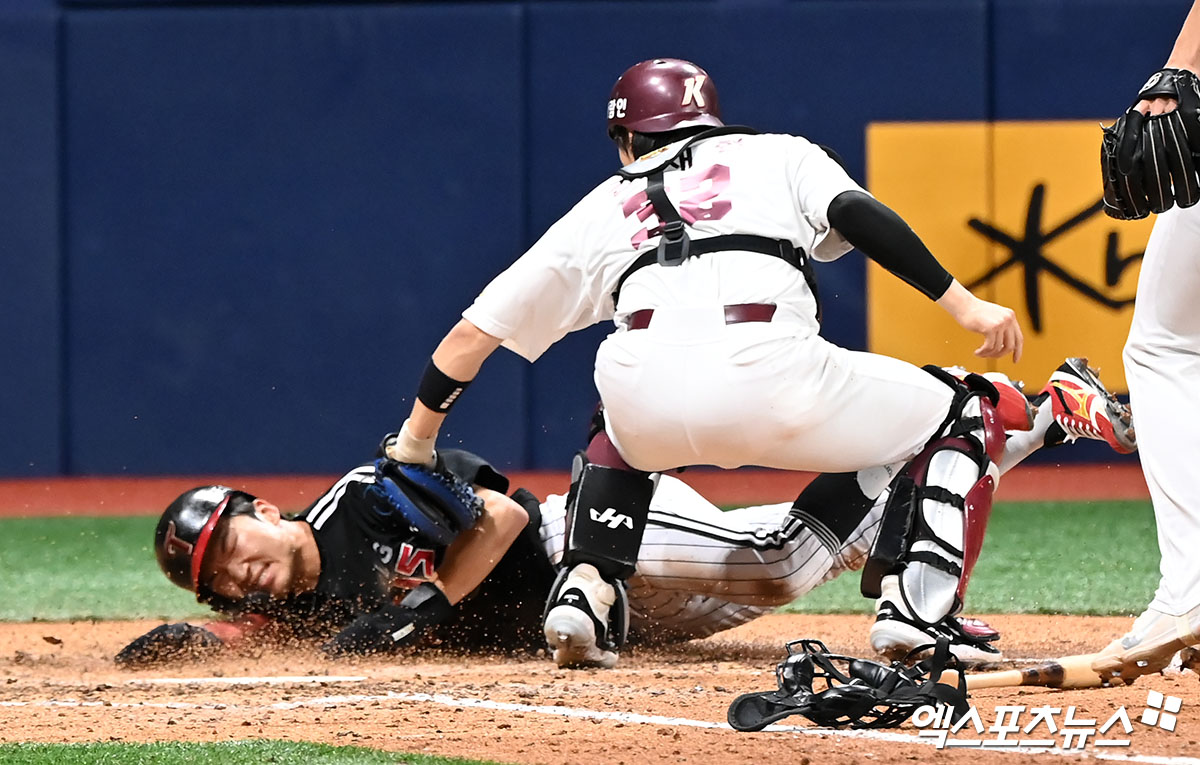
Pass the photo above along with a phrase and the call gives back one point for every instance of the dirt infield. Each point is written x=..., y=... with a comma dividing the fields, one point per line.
x=657, y=706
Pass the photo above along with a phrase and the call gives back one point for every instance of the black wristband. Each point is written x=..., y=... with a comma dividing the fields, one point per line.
x=437, y=390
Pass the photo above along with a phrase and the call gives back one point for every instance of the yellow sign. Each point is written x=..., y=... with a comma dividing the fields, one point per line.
x=1012, y=209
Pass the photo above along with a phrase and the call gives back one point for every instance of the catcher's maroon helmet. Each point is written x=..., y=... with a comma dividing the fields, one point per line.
x=184, y=530
x=663, y=94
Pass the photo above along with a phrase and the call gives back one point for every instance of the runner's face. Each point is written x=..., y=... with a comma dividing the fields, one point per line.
x=251, y=553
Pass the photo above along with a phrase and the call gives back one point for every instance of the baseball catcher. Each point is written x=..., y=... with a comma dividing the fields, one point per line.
x=1148, y=158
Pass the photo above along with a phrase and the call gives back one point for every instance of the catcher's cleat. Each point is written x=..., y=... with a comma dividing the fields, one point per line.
x=1149, y=645
x=575, y=624
x=1083, y=408
x=1016, y=412
x=896, y=635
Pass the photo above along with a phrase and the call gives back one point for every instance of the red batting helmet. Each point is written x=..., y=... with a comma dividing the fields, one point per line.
x=185, y=529
x=663, y=94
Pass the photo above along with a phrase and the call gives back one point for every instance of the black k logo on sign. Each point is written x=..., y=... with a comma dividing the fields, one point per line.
x=1028, y=251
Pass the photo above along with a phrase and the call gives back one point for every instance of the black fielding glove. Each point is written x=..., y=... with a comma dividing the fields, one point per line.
x=432, y=501
x=1148, y=162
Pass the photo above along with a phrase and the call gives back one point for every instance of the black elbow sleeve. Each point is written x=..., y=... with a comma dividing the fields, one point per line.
x=884, y=237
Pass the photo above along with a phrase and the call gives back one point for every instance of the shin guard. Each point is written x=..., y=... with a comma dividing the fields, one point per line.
x=607, y=510
x=935, y=520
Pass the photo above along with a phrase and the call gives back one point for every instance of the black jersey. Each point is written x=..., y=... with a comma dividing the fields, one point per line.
x=370, y=556
x=505, y=612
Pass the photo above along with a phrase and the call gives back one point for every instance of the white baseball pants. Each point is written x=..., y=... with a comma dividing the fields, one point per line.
x=1162, y=367
x=691, y=390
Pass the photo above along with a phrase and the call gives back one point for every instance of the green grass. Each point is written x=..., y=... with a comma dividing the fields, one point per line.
x=225, y=753
x=85, y=568
x=1080, y=558
x=1045, y=558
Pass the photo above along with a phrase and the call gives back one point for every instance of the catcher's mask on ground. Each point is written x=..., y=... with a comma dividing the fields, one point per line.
x=837, y=691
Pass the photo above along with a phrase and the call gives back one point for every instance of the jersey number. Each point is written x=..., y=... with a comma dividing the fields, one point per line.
x=700, y=201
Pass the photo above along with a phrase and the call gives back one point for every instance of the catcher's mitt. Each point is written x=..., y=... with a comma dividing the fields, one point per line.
x=856, y=692
x=437, y=504
x=1148, y=163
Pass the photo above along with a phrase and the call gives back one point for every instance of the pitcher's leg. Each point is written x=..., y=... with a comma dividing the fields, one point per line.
x=1162, y=367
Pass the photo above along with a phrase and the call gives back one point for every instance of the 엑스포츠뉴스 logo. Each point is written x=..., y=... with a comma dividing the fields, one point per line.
x=1042, y=727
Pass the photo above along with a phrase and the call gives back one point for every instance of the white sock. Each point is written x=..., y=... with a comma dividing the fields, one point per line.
x=1022, y=443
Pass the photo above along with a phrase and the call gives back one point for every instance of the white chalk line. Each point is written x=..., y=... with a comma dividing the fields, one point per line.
x=281, y=680
x=574, y=712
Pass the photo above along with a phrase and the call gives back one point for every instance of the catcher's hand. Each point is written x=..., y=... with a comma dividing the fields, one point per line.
x=168, y=641
x=1148, y=162
x=437, y=504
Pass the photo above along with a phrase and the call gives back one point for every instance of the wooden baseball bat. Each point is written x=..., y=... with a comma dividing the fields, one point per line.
x=1066, y=672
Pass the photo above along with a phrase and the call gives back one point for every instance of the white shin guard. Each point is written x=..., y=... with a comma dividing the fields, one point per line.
x=951, y=486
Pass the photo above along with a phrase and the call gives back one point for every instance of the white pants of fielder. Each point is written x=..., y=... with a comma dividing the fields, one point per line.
x=691, y=390
x=702, y=570
x=1162, y=367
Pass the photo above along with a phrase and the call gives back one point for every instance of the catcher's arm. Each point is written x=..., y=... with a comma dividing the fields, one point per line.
x=469, y=559
x=457, y=358
x=883, y=236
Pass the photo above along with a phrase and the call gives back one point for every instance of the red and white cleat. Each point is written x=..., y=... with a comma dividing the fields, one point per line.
x=1083, y=408
x=1014, y=409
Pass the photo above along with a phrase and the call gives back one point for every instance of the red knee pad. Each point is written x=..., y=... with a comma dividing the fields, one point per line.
x=993, y=430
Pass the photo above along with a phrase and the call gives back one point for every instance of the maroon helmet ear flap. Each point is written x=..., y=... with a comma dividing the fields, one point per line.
x=663, y=94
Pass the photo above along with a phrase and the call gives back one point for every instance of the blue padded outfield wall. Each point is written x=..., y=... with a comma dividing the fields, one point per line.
x=231, y=234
